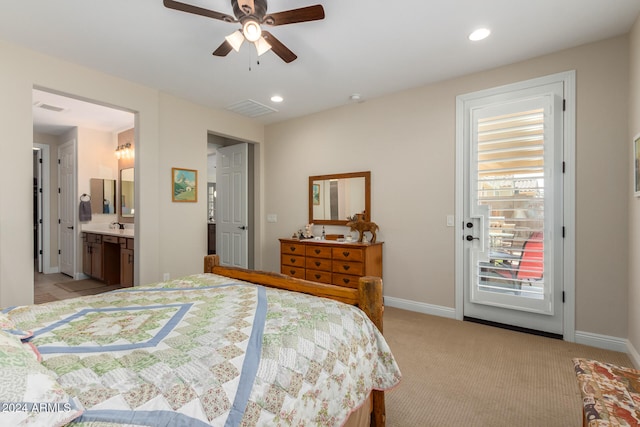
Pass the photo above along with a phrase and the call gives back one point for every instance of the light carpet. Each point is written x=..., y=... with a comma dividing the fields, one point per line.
x=465, y=374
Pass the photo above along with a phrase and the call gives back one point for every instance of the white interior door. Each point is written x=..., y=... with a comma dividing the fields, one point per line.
x=513, y=208
x=67, y=207
x=232, y=213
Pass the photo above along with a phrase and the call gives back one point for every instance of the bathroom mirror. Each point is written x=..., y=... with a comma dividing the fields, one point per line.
x=127, y=198
x=333, y=198
x=103, y=196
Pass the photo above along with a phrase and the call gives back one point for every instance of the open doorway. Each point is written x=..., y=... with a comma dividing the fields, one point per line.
x=222, y=201
x=57, y=120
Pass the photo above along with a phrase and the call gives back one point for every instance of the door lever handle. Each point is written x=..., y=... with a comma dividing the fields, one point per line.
x=243, y=227
x=470, y=238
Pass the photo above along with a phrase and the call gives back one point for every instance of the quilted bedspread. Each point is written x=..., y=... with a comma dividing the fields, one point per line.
x=209, y=350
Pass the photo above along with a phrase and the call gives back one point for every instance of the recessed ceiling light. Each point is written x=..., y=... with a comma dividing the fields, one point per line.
x=277, y=98
x=479, y=34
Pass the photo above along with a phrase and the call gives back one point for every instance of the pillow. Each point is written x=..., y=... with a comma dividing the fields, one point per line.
x=29, y=393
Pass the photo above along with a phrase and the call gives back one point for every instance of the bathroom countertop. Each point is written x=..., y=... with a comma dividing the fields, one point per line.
x=104, y=229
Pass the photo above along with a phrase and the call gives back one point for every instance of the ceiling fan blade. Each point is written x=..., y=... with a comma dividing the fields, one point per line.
x=223, y=49
x=304, y=14
x=278, y=48
x=183, y=7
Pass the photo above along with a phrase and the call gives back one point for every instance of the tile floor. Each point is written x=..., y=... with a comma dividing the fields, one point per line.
x=45, y=289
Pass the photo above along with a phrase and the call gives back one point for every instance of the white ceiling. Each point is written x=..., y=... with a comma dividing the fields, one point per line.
x=75, y=112
x=368, y=47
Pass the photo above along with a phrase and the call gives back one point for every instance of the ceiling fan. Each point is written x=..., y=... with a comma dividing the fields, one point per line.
x=251, y=14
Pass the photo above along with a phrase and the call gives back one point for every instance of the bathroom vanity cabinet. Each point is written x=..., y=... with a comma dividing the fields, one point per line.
x=108, y=257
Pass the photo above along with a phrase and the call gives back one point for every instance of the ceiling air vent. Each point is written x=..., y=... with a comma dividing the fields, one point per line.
x=49, y=107
x=250, y=108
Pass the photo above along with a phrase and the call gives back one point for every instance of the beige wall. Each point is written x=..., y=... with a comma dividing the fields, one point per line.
x=407, y=140
x=634, y=202
x=161, y=124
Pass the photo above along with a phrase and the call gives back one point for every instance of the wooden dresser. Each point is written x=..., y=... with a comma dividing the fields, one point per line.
x=327, y=261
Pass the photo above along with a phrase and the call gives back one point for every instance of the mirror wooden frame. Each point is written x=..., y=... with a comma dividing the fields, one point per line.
x=367, y=195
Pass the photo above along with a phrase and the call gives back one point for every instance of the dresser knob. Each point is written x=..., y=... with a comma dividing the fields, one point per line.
x=346, y=267
x=293, y=260
x=292, y=272
x=317, y=276
x=317, y=263
x=346, y=281
x=292, y=248
x=346, y=254
x=317, y=251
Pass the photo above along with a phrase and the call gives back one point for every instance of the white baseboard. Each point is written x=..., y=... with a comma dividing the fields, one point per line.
x=602, y=341
x=587, y=338
x=633, y=355
x=420, y=307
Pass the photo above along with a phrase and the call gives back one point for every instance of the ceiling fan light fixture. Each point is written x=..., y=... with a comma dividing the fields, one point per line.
x=252, y=31
x=262, y=46
x=235, y=39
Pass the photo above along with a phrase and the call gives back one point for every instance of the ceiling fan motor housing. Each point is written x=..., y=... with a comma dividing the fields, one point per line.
x=259, y=7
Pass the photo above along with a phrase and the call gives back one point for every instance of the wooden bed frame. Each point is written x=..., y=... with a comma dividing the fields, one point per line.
x=368, y=297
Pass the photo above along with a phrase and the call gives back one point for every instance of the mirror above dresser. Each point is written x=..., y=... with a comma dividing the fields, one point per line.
x=334, y=198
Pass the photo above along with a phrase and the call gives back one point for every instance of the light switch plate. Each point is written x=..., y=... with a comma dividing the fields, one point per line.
x=272, y=218
x=450, y=220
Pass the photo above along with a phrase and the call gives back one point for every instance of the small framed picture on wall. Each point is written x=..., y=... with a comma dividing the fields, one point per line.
x=184, y=185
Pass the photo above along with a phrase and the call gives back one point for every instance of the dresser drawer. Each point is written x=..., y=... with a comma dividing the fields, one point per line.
x=292, y=260
x=348, y=254
x=323, y=264
x=292, y=271
x=345, y=280
x=292, y=249
x=346, y=267
x=318, y=251
x=318, y=276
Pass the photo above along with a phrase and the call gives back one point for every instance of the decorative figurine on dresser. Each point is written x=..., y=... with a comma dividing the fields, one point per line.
x=357, y=223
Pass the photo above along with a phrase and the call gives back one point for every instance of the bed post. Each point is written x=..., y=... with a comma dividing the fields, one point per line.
x=210, y=261
x=370, y=298
x=371, y=302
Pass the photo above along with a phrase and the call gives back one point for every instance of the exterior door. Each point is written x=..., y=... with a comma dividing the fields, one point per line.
x=513, y=208
x=67, y=207
x=232, y=213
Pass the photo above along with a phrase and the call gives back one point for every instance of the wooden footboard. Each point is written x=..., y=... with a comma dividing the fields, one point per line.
x=368, y=297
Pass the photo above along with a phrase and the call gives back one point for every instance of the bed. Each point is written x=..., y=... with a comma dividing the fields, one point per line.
x=228, y=347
